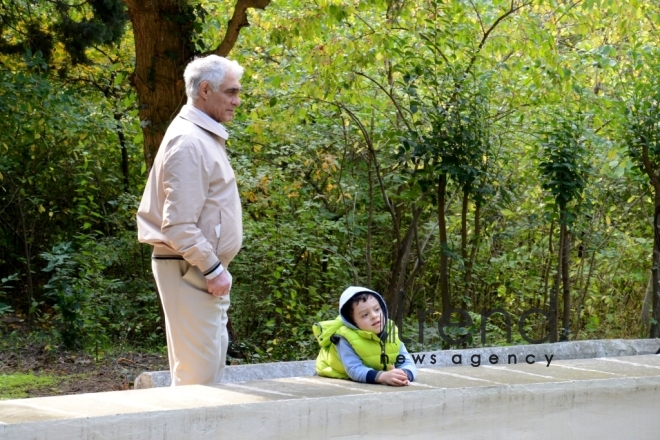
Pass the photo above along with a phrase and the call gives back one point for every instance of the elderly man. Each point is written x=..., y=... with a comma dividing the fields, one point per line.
x=191, y=213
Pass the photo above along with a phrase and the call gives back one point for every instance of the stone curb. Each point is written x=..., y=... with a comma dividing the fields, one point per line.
x=442, y=358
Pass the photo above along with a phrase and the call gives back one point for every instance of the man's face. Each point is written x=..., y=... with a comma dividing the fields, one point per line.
x=368, y=315
x=220, y=105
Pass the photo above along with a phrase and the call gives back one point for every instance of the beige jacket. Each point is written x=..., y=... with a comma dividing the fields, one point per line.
x=190, y=207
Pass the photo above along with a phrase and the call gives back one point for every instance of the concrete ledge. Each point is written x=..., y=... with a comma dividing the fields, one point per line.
x=560, y=350
x=608, y=398
x=236, y=373
x=440, y=358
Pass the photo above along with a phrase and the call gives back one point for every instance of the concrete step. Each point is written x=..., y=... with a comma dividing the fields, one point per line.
x=439, y=358
x=605, y=398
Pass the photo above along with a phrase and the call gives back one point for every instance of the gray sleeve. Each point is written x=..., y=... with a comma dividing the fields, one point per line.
x=355, y=369
x=408, y=365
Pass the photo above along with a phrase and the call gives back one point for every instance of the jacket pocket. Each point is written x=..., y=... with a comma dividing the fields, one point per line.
x=217, y=230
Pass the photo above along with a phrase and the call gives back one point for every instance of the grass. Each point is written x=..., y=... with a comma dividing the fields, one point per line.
x=17, y=385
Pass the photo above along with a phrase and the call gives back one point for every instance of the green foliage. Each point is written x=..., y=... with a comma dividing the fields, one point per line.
x=15, y=386
x=565, y=164
x=351, y=112
x=4, y=286
x=68, y=296
x=93, y=309
x=39, y=27
x=62, y=197
x=642, y=135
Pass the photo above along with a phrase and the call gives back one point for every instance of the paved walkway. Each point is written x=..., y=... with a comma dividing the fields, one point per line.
x=605, y=398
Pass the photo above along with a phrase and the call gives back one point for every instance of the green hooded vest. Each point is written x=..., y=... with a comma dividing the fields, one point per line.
x=366, y=344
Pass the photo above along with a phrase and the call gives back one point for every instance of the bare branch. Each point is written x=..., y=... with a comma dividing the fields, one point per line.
x=481, y=23
x=650, y=19
x=512, y=10
x=379, y=176
x=237, y=22
x=566, y=11
x=648, y=168
x=396, y=104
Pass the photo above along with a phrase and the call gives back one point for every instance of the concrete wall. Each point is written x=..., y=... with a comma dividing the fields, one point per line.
x=601, y=409
x=601, y=398
x=597, y=398
x=442, y=358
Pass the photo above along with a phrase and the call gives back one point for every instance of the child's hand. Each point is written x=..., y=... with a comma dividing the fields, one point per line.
x=395, y=377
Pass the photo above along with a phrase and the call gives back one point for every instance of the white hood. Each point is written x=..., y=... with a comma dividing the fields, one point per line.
x=350, y=293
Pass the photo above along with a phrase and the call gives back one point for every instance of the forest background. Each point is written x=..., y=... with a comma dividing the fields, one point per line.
x=474, y=154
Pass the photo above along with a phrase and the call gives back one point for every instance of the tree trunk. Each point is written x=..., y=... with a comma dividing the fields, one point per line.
x=655, y=323
x=655, y=182
x=585, y=290
x=566, y=281
x=442, y=226
x=27, y=247
x=163, y=32
x=399, y=264
x=548, y=264
x=464, y=251
x=554, y=293
x=124, y=152
x=646, y=306
x=464, y=211
x=475, y=247
x=369, y=225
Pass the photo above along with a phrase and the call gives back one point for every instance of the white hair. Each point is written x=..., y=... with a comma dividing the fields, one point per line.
x=212, y=69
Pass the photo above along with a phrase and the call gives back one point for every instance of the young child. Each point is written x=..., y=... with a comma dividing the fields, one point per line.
x=362, y=343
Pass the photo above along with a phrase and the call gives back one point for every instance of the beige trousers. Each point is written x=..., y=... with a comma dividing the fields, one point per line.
x=195, y=321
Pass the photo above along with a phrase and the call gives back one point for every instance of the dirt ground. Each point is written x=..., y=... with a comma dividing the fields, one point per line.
x=76, y=372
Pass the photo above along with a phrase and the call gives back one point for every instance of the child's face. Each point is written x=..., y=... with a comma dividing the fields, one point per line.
x=368, y=315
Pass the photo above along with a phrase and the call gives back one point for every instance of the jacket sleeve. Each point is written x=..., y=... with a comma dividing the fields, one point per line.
x=186, y=183
x=355, y=369
x=407, y=365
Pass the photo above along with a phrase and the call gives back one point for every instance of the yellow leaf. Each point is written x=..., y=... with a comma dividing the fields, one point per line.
x=41, y=209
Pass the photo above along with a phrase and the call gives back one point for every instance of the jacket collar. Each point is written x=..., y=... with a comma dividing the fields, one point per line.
x=201, y=119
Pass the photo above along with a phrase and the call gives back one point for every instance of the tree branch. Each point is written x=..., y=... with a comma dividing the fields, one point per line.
x=481, y=23
x=648, y=168
x=389, y=95
x=237, y=22
x=512, y=9
x=372, y=150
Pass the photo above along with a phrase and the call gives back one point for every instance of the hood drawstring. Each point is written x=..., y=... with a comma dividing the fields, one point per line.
x=384, y=358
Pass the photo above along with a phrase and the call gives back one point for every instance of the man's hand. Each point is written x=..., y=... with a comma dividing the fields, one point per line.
x=395, y=377
x=219, y=286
